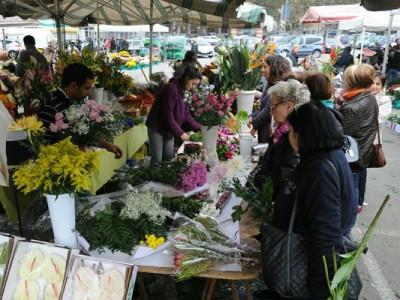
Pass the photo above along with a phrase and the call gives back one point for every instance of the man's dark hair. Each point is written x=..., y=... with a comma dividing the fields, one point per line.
x=316, y=128
x=29, y=40
x=76, y=73
x=190, y=73
x=347, y=48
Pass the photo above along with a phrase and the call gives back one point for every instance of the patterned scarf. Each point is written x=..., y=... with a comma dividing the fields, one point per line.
x=280, y=131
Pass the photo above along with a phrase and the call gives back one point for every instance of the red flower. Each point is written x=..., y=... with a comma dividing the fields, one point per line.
x=229, y=154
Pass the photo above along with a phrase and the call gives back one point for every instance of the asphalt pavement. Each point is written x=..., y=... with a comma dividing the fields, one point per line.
x=380, y=268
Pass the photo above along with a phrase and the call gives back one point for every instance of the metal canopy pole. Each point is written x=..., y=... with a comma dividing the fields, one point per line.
x=362, y=44
x=98, y=29
x=59, y=19
x=389, y=31
x=151, y=40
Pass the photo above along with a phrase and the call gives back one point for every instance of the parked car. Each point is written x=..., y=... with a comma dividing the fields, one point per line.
x=213, y=40
x=13, y=48
x=284, y=45
x=250, y=41
x=333, y=42
x=204, y=48
x=308, y=44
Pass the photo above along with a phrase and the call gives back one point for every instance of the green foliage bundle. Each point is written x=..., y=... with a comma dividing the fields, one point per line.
x=240, y=68
x=189, y=207
x=106, y=229
x=166, y=172
x=339, y=286
x=259, y=200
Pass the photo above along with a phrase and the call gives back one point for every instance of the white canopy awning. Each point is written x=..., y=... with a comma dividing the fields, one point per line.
x=371, y=21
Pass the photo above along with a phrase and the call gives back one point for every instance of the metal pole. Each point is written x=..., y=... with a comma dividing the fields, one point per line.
x=151, y=40
x=59, y=25
x=285, y=12
x=362, y=44
x=389, y=31
x=4, y=38
x=98, y=29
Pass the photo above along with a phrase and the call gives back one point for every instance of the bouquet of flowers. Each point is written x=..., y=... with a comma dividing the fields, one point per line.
x=89, y=123
x=227, y=144
x=6, y=96
x=199, y=244
x=33, y=128
x=123, y=223
x=97, y=63
x=59, y=168
x=118, y=83
x=184, y=174
x=210, y=109
x=240, y=68
x=34, y=87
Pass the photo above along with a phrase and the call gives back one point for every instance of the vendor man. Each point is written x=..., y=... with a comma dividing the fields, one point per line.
x=76, y=84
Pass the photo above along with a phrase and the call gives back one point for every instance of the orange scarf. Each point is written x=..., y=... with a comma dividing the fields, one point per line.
x=351, y=94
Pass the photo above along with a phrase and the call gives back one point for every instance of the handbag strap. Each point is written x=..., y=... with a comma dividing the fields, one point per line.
x=379, y=132
x=296, y=198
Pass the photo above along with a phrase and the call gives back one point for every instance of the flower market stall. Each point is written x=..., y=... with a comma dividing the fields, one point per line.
x=180, y=218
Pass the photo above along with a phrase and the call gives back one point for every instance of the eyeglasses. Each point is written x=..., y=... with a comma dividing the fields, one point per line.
x=273, y=106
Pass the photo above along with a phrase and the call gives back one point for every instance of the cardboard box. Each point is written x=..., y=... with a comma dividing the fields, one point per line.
x=97, y=270
x=35, y=262
x=6, y=248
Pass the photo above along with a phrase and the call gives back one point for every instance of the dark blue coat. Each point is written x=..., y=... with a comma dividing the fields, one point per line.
x=324, y=213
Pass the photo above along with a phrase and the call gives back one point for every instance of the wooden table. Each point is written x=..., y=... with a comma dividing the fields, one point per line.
x=211, y=277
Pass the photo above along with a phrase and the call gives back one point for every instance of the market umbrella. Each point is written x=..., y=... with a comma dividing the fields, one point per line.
x=114, y=12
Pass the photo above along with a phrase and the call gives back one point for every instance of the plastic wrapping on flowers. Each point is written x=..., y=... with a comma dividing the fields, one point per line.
x=227, y=144
x=199, y=244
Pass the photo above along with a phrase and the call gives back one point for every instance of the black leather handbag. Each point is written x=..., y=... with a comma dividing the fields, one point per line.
x=285, y=260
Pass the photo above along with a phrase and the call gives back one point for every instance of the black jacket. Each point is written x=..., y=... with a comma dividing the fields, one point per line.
x=262, y=118
x=360, y=120
x=345, y=60
x=278, y=163
x=324, y=213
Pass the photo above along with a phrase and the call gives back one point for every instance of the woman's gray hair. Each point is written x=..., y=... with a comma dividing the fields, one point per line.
x=290, y=90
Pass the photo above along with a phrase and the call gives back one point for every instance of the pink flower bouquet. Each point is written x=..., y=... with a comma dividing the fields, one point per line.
x=210, y=109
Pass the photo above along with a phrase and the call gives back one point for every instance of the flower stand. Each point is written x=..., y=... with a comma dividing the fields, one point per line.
x=245, y=101
x=62, y=215
x=98, y=94
x=209, y=136
x=245, y=144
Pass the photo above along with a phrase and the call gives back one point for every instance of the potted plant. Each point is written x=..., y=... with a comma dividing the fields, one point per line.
x=59, y=171
x=241, y=69
x=210, y=110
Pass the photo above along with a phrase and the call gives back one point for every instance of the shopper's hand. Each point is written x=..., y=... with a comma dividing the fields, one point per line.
x=253, y=132
x=184, y=137
x=114, y=149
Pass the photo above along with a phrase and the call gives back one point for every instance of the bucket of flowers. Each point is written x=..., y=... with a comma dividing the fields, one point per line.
x=59, y=172
x=210, y=110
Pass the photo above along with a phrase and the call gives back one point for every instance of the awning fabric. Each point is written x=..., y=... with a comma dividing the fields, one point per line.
x=332, y=13
x=372, y=21
x=121, y=12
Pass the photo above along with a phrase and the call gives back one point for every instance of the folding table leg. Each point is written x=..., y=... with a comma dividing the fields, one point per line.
x=235, y=293
x=211, y=288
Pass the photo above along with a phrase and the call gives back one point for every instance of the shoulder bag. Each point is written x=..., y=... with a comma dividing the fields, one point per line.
x=378, y=159
x=285, y=259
